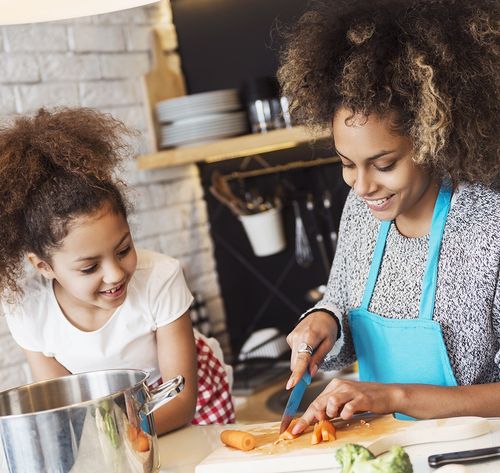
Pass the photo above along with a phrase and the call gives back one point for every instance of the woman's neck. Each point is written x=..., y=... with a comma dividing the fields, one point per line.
x=416, y=222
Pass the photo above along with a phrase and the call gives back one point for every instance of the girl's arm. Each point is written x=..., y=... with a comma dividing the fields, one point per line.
x=344, y=398
x=177, y=355
x=44, y=367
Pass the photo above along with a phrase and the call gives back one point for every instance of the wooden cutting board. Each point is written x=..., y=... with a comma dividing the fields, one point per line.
x=297, y=455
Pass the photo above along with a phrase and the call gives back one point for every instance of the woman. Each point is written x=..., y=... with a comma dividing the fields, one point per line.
x=411, y=90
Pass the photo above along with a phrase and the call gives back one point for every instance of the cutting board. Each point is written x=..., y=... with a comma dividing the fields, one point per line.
x=298, y=454
x=378, y=433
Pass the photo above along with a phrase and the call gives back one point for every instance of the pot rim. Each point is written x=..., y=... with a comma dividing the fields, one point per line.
x=78, y=404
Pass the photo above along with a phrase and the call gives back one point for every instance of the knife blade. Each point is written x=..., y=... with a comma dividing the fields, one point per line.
x=294, y=400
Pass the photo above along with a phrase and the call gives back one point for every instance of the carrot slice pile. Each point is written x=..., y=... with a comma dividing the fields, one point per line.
x=287, y=434
x=324, y=431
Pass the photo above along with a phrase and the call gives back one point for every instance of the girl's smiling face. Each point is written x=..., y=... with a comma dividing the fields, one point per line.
x=377, y=164
x=94, y=264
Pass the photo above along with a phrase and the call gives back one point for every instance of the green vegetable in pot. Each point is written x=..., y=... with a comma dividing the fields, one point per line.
x=358, y=459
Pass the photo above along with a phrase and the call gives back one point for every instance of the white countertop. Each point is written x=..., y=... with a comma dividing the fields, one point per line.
x=182, y=450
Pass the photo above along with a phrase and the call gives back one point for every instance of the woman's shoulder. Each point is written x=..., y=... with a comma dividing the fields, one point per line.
x=477, y=208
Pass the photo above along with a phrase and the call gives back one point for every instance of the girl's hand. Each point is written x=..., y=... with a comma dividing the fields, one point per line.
x=343, y=398
x=319, y=331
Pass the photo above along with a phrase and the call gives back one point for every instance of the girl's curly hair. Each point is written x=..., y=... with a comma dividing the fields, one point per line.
x=54, y=166
x=434, y=62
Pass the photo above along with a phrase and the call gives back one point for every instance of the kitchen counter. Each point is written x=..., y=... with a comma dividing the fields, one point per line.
x=182, y=450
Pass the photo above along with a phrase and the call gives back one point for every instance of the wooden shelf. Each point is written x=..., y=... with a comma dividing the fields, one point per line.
x=238, y=147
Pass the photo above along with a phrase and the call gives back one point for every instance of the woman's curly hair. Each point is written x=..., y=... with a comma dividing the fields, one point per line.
x=434, y=62
x=54, y=166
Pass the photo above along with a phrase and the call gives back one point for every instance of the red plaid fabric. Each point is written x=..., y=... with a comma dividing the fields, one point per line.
x=214, y=404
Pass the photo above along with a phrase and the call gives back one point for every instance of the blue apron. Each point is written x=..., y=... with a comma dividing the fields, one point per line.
x=404, y=350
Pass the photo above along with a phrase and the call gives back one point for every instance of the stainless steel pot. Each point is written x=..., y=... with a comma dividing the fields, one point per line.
x=92, y=422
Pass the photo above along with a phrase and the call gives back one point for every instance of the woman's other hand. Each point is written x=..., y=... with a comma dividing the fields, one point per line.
x=344, y=398
x=319, y=331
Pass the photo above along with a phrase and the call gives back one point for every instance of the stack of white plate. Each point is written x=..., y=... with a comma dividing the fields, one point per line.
x=200, y=118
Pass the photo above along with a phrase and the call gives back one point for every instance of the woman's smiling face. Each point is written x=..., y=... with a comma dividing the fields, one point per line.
x=377, y=164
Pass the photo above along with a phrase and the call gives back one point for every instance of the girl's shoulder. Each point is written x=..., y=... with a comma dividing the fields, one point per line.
x=155, y=271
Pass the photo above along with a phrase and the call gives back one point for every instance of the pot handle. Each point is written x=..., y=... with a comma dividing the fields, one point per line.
x=162, y=394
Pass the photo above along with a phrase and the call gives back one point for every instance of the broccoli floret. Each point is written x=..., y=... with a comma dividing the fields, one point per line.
x=350, y=454
x=394, y=461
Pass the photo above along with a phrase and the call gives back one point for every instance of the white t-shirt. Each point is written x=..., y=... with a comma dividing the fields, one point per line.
x=157, y=295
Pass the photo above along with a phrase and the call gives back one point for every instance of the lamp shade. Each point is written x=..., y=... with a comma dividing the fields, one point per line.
x=14, y=12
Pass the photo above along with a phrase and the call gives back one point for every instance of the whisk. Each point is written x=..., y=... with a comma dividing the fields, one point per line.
x=303, y=251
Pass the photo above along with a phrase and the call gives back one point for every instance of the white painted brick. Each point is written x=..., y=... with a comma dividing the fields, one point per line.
x=184, y=242
x=7, y=100
x=140, y=198
x=206, y=284
x=109, y=93
x=32, y=97
x=14, y=376
x=29, y=38
x=10, y=353
x=1, y=38
x=156, y=222
x=81, y=20
x=158, y=195
x=184, y=190
x=18, y=68
x=152, y=244
x=133, y=116
x=4, y=328
x=69, y=67
x=116, y=66
x=90, y=38
x=198, y=263
x=138, y=15
x=168, y=174
x=137, y=38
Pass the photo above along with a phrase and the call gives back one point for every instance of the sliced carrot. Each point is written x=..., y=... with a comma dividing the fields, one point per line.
x=238, y=439
x=316, y=435
x=132, y=432
x=141, y=443
x=328, y=431
x=287, y=434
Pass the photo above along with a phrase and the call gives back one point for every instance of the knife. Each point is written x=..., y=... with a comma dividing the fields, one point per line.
x=294, y=400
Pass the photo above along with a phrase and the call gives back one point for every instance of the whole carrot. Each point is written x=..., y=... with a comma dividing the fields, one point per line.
x=238, y=439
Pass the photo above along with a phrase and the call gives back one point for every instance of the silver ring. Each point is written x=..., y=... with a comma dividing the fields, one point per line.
x=305, y=348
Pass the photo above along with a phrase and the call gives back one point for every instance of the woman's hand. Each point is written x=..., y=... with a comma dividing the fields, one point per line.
x=319, y=331
x=343, y=398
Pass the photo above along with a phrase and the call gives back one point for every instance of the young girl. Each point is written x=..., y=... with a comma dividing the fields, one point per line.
x=410, y=89
x=93, y=301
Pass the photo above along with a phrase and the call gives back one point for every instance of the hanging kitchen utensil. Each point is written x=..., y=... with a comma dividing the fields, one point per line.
x=221, y=190
x=303, y=251
x=332, y=232
x=317, y=233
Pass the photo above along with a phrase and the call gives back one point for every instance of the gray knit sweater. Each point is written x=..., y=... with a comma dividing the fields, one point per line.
x=468, y=288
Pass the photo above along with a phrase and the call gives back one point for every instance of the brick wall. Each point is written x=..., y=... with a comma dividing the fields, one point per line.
x=97, y=62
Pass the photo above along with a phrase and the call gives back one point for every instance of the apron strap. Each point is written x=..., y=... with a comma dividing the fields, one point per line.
x=441, y=209
x=427, y=299
x=378, y=253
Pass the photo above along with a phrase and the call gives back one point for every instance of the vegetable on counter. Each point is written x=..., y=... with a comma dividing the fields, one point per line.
x=287, y=434
x=324, y=431
x=358, y=459
x=238, y=439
